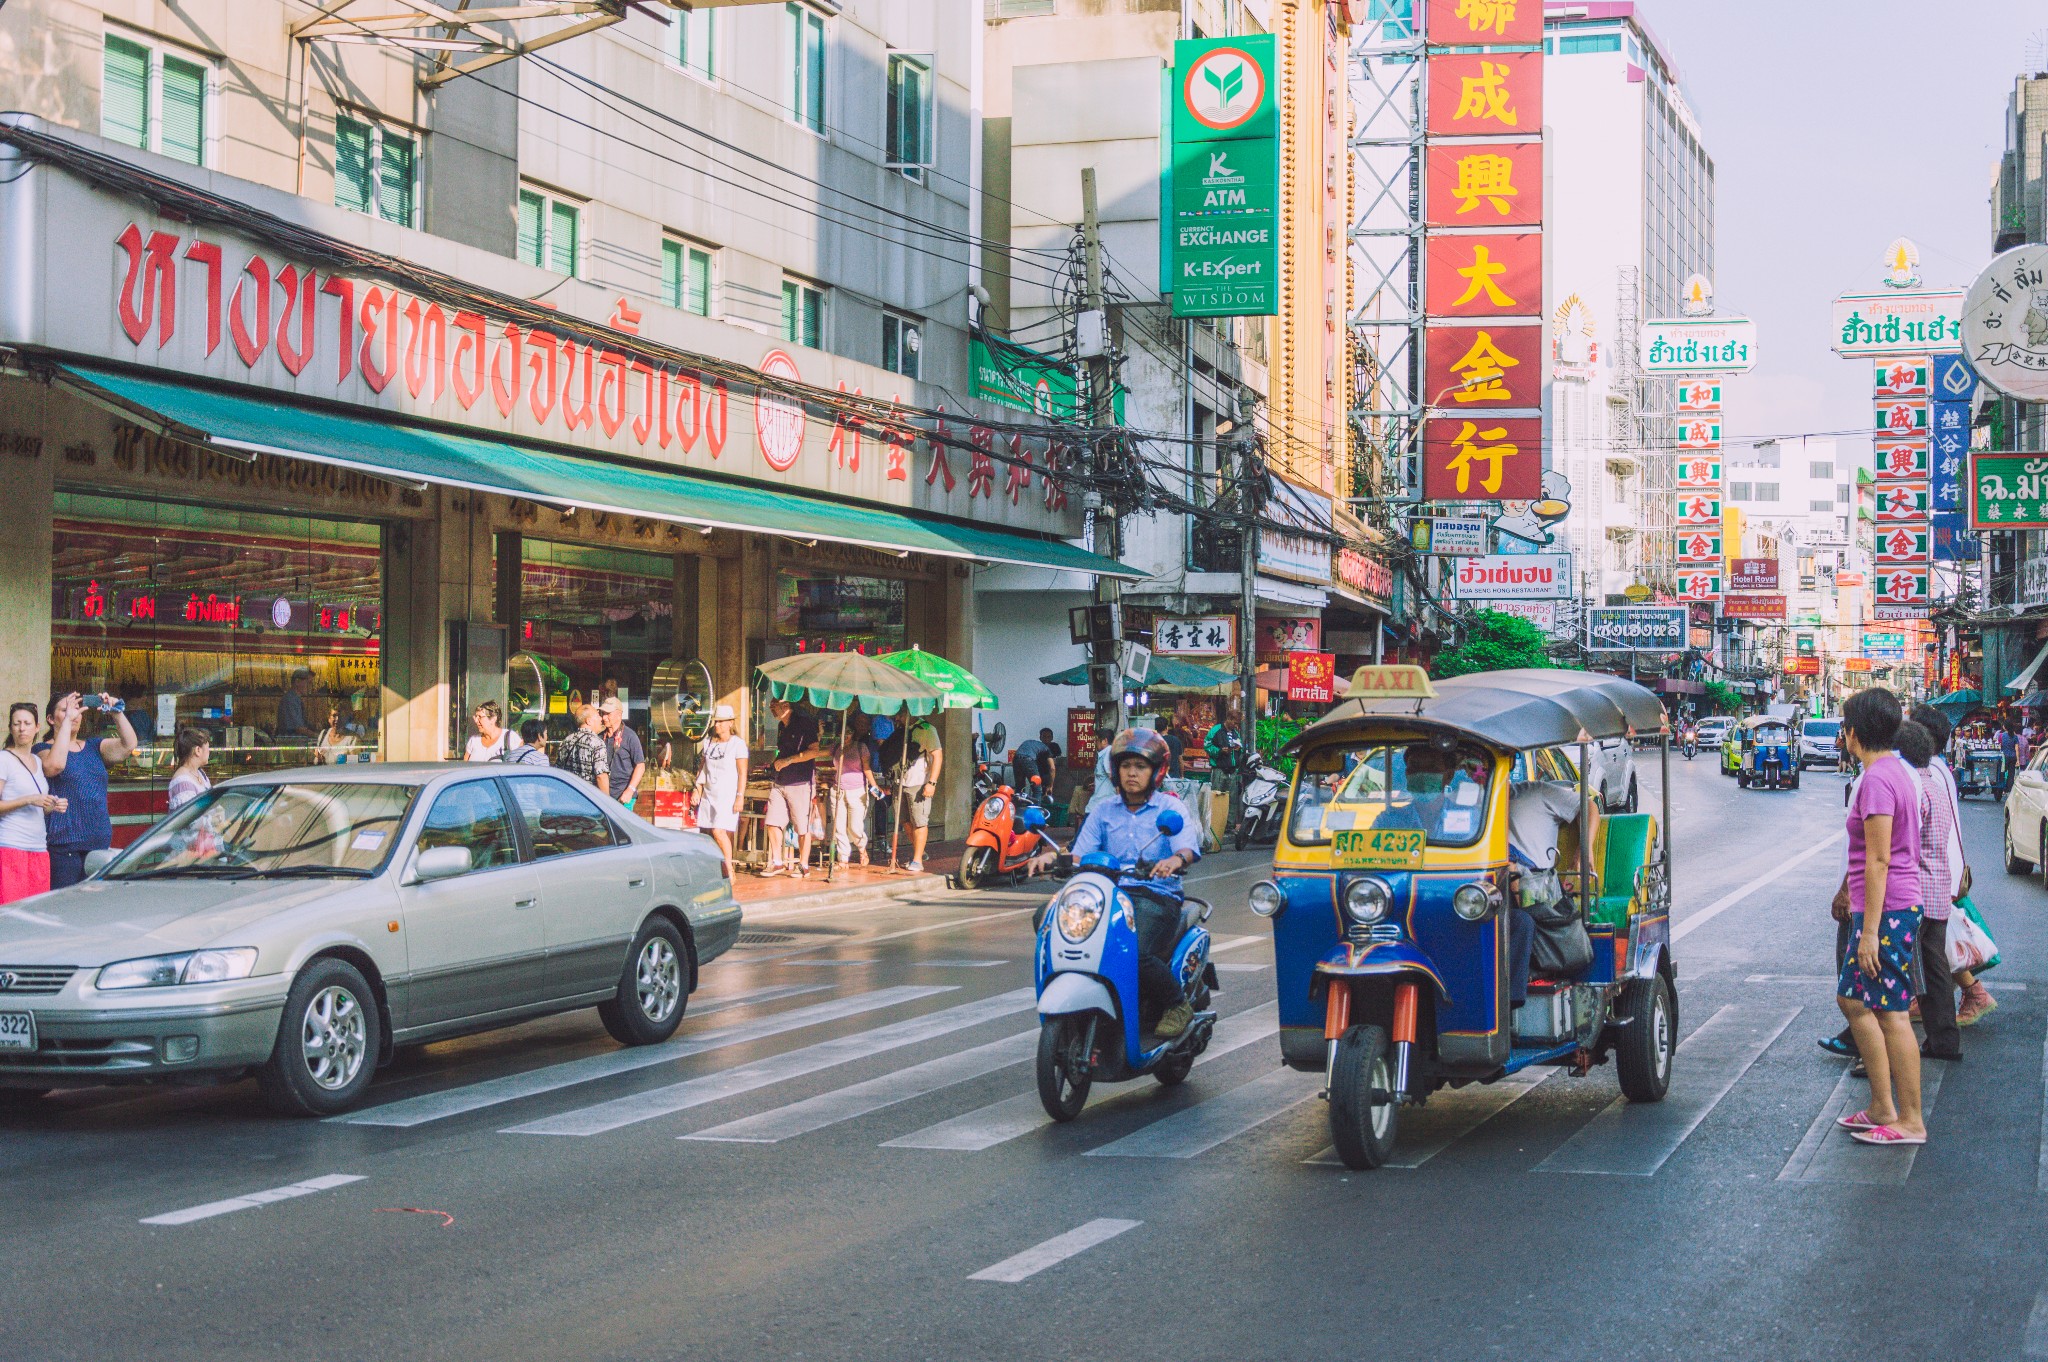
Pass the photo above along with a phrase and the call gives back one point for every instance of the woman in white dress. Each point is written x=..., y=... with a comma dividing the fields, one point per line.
x=721, y=783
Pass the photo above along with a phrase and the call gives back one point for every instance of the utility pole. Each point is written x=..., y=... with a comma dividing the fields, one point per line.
x=1093, y=346
x=1250, y=501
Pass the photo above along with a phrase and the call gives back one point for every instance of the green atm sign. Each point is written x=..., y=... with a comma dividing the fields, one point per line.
x=1222, y=181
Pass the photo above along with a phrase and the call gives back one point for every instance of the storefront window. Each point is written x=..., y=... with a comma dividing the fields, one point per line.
x=257, y=629
x=820, y=612
x=596, y=622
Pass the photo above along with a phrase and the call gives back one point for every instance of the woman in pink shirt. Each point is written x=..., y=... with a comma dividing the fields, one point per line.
x=1876, y=986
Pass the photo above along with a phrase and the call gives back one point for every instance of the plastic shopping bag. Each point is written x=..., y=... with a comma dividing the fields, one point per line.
x=1970, y=946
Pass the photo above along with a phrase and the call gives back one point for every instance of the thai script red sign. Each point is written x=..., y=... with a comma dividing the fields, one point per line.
x=1312, y=677
x=1753, y=607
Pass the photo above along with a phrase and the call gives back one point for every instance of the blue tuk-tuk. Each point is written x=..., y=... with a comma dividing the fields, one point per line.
x=1770, y=759
x=1392, y=889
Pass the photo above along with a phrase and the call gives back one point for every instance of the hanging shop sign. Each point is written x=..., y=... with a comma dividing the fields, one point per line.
x=1452, y=536
x=1900, y=586
x=1636, y=628
x=1954, y=380
x=1513, y=577
x=1482, y=458
x=1902, y=323
x=1753, y=574
x=1948, y=449
x=1223, y=196
x=1901, y=501
x=1699, y=545
x=1698, y=584
x=1365, y=575
x=1953, y=542
x=1312, y=677
x=1489, y=94
x=1699, y=395
x=1025, y=380
x=1699, y=508
x=1887, y=647
x=1902, y=545
x=1699, y=472
x=2008, y=491
x=1304, y=557
x=1802, y=666
x=1753, y=607
x=1699, y=345
x=1699, y=432
x=1485, y=274
x=1484, y=184
x=1901, y=378
x=1899, y=460
x=1476, y=367
x=1195, y=636
x=1899, y=417
x=2005, y=327
x=1489, y=23
x=1542, y=614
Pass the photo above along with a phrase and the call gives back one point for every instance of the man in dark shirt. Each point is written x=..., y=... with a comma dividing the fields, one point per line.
x=1035, y=757
x=794, y=777
x=627, y=759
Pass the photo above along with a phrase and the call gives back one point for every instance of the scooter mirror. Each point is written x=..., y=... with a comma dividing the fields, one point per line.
x=1171, y=823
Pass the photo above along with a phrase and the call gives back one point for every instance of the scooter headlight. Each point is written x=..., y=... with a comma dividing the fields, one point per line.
x=1367, y=900
x=1267, y=899
x=1473, y=901
x=1079, y=912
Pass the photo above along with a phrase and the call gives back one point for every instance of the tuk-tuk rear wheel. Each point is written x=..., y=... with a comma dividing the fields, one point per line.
x=1647, y=1039
x=1364, y=1130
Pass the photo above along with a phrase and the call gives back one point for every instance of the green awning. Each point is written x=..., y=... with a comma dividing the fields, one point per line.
x=411, y=453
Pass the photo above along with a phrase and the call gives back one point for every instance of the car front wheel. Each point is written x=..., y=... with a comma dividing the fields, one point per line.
x=327, y=1043
x=653, y=990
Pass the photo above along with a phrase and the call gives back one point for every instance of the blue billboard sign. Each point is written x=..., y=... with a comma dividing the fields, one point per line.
x=1953, y=379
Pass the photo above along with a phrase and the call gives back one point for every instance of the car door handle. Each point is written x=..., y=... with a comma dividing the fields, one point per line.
x=636, y=881
x=524, y=903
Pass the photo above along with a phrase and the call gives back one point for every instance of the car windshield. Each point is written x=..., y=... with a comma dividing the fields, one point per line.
x=343, y=829
x=1823, y=728
x=1770, y=733
x=1439, y=788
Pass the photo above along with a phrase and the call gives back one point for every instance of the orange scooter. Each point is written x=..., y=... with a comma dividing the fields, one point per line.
x=1007, y=832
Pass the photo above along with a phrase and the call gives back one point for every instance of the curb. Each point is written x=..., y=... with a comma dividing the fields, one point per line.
x=851, y=896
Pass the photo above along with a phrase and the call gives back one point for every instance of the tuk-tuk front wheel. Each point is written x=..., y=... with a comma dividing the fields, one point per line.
x=1060, y=1091
x=1365, y=1120
x=1648, y=1038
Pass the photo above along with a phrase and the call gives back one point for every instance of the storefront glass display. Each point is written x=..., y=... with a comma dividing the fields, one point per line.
x=202, y=616
x=823, y=612
x=594, y=622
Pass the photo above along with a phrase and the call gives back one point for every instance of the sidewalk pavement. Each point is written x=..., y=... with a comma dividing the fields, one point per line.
x=852, y=883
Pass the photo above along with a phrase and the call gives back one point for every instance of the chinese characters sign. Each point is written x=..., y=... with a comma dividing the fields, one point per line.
x=1482, y=458
x=1485, y=275
x=1484, y=184
x=1485, y=94
x=1485, y=366
x=2009, y=492
x=1490, y=23
x=1195, y=636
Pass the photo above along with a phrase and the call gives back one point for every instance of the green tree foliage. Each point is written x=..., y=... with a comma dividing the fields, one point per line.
x=1493, y=642
x=1722, y=699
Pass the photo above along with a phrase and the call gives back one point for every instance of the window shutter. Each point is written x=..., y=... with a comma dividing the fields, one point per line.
x=562, y=239
x=351, y=165
x=395, y=168
x=184, y=111
x=789, y=311
x=699, y=300
x=124, y=93
x=672, y=273
x=530, y=228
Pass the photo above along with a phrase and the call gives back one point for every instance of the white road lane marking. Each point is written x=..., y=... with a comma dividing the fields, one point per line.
x=2041, y=1168
x=1231, y=943
x=1828, y=1153
x=1244, y=968
x=1209, y=1123
x=1831, y=980
x=438, y=1106
x=251, y=1200
x=1694, y=921
x=701, y=1006
x=1058, y=1249
x=827, y=964
x=830, y=1108
x=1631, y=1139
x=1254, y=868
x=2034, y=1344
x=956, y=964
x=695, y=1092
x=1450, y=1116
x=1006, y=1120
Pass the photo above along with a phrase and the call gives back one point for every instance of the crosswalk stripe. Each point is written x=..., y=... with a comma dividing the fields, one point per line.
x=695, y=1092
x=1055, y=1250
x=1450, y=1116
x=1634, y=1139
x=830, y=1108
x=700, y=1007
x=438, y=1106
x=1207, y=1124
x=1006, y=1120
x=1828, y=1153
x=251, y=1200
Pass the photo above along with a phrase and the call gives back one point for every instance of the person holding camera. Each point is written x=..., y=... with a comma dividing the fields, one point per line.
x=77, y=770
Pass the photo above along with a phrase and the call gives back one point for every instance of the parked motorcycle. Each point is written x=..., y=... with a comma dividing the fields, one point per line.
x=1090, y=1027
x=1008, y=830
x=1265, y=795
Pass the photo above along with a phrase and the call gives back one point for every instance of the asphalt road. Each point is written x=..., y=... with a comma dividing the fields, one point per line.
x=841, y=1156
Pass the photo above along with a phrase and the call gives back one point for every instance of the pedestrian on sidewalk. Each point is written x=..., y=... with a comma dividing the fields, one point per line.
x=2008, y=751
x=1976, y=1000
x=492, y=741
x=25, y=807
x=853, y=786
x=794, y=776
x=190, y=780
x=533, y=745
x=1937, y=990
x=721, y=784
x=583, y=754
x=918, y=787
x=625, y=758
x=1876, y=985
x=77, y=770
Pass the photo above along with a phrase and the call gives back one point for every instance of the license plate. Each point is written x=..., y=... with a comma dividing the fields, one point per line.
x=17, y=1030
x=1377, y=848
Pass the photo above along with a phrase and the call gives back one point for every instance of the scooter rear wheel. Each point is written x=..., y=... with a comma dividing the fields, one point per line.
x=977, y=866
x=1059, y=1092
x=1244, y=832
x=1363, y=1127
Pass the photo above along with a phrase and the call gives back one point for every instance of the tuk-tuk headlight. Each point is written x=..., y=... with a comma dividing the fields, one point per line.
x=1267, y=899
x=1474, y=901
x=1080, y=911
x=1367, y=900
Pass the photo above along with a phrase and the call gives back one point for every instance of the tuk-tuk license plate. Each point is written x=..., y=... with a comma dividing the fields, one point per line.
x=1377, y=849
x=17, y=1030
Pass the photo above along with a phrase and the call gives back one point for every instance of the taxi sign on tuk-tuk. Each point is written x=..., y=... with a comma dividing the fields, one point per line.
x=1391, y=681
x=1377, y=849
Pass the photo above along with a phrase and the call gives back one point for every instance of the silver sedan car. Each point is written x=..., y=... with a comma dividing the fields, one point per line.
x=301, y=924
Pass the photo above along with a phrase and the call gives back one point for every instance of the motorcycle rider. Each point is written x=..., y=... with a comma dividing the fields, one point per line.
x=1126, y=828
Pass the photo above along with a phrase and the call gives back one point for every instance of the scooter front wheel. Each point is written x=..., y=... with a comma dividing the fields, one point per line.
x=1364, y=1118
x=1060, y=1092
x=977, y=866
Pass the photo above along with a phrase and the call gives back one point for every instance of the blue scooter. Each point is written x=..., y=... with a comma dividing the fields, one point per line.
x=1089, y=1023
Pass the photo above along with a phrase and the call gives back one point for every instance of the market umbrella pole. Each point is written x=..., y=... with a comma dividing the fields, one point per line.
x=832, y=794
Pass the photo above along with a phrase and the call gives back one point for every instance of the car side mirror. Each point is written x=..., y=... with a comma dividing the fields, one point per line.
x=96, y=861
x=1171, y=823
x=441, y=863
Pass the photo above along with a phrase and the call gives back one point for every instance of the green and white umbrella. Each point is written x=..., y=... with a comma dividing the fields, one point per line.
x=843, y=680
x=962, y=688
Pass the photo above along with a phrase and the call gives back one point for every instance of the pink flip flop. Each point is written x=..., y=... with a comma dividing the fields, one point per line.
x=1858, y=1120
x=1885, y=1135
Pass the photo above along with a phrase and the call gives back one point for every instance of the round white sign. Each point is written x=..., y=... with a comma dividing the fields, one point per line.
x=2005, y=324
x=1224, y=88
x=779, y=421
x=280, y=613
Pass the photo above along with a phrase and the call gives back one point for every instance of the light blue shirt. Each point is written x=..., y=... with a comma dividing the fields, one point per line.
x=1115, y=829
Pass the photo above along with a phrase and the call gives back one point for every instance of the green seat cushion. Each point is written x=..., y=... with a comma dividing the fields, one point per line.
x=1624, y=844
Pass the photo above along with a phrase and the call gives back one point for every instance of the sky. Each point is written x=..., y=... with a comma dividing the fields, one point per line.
x=1836, y=126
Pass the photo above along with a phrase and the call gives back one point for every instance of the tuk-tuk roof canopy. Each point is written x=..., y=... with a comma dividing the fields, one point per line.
x=1519, y=709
